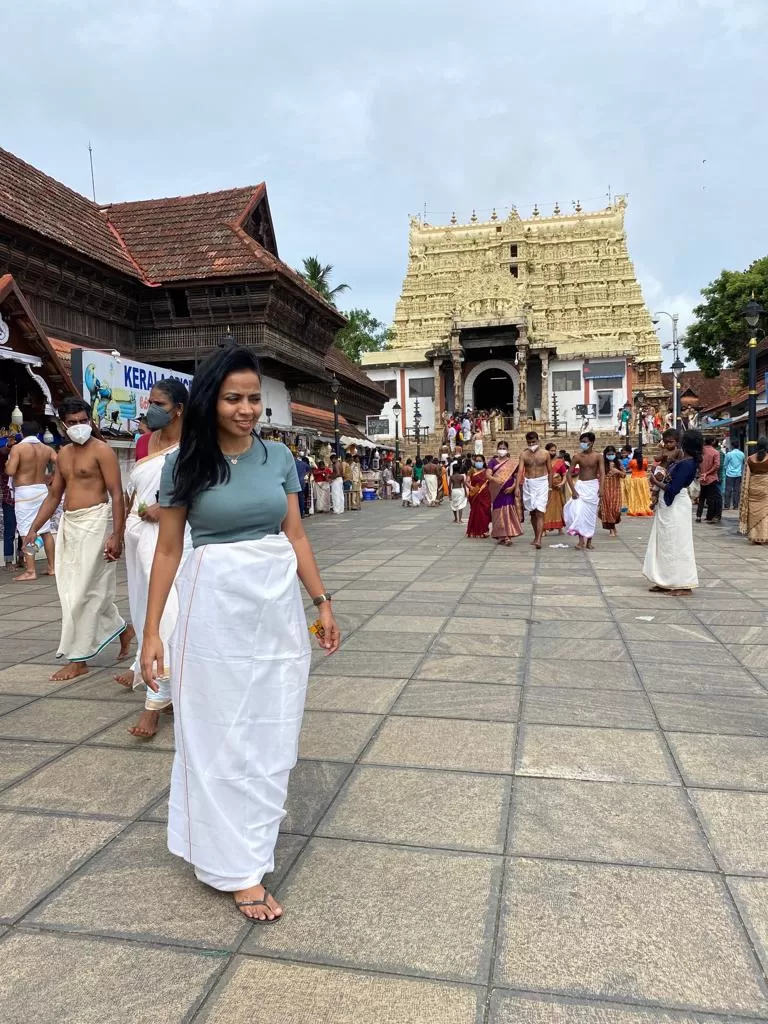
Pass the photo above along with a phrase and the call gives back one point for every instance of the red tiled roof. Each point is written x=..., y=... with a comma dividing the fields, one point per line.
x=43, y=205
x=322, y=420
x=710, y=392
x=340, y=364
x=189, y=237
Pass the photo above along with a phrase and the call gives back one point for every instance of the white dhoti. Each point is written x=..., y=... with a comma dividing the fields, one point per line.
x=87, y=584
x=670, y=561
x=407, y=489
x=321, y=495
x=241, y=655
x=535, y=493
x=430, y=489
x=580, y=513
x=458, y=499
x=337, y=495
x=26, y=504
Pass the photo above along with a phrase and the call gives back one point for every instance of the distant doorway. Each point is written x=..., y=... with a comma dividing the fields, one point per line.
x=494, y=389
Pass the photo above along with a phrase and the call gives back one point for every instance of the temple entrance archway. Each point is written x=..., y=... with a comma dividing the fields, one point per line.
x=493, y=384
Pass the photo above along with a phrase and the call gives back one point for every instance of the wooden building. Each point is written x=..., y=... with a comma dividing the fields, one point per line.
x=163, y=281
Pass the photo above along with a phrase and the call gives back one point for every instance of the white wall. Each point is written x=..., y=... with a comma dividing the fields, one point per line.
x=426, y=405
x=274, y=396
x=568, y=400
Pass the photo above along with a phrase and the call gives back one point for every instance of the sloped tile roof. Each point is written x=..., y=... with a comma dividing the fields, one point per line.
x=309, y=416
x=189, y=237
x=43, y=205
x=340, y=364
x=710, y=392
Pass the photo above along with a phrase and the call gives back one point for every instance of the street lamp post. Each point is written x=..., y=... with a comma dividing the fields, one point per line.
x=639, y=399
x=335, y=386
x=752, y=316
x=416, y=422
x=675, y=318
x=397, y=409
x=677, y=368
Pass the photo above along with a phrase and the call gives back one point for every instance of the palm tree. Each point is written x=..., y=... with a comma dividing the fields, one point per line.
x=318, y=277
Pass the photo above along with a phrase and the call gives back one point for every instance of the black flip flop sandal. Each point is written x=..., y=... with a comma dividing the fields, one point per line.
x=259, y=903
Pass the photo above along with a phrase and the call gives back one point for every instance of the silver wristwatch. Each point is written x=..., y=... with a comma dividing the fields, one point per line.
x=321, y=599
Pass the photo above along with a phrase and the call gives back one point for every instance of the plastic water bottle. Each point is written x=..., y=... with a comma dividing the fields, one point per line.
x=34, y=547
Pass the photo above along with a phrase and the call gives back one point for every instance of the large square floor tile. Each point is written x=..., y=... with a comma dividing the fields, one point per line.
x=602, y=755
x=471, y=669
x=421, y=808
x=18, y=757
x=573, y=706
x=334, y=735
x=52, y=979
x=330, y=995
x=169, y=905
x=352, y=663
x=404, y=623
x=737, y=826
x=490, y=645
x=591, y=675
x=689, y=679
x=641, y=934
x=94, y=780
x=743, y=716
x=444, y=743
x=386, y=907
x=732, y=762
x=56, y=718
x=37, y=852
x=28, y=678
x=443, y=698
x=605, y=821
x=352, y=693
x=751, y=895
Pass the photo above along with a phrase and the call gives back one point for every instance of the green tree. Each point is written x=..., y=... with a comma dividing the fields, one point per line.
x=319, y=277
x=362, y=333
x=719, y=335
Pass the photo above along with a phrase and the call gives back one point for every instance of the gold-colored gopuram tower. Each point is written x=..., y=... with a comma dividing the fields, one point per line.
x=542, y=292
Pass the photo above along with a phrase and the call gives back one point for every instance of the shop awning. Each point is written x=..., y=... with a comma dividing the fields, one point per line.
x=321, y=420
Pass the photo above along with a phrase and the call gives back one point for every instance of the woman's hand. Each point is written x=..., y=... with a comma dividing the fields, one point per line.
x=331, y=638
x=152, y=660
x=150, y=514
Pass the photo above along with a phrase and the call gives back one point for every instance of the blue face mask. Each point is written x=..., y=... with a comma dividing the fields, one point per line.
x=584, y=446
x=610, y=457
x=478, y=465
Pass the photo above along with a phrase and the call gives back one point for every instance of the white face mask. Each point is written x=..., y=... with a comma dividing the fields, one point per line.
x=79, y=433
x=533, y=447
x=503, y=452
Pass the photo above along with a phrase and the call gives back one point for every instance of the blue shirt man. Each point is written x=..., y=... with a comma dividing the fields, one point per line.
x=734, y=468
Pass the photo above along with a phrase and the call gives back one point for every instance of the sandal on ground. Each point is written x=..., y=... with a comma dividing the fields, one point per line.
x=259, y=903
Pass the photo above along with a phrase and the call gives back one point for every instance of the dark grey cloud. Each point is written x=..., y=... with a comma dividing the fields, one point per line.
x=358, y=114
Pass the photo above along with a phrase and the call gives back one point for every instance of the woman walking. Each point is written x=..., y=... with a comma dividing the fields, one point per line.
x=553, y=517
x=670, y=562
x=502, y=483
x=479, y=521
x=610, y=500
x=167, y=402
x=240, y=652
x=639, y=488
x=753, y=510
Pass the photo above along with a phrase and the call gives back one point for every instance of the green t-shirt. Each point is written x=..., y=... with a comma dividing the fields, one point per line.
x=251, y=506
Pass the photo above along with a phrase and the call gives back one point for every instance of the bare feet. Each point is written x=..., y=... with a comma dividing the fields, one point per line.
x=263, y=906
x=25, y=577
x=70, y=671
x=51, y=572
x=146, y=727
x=126, y=636
x=125, y=679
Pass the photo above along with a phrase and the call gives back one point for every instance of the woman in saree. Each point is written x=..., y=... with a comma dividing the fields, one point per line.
x=609, y=511
x=502, y=484
x=639, y=488
x=167, y=402
x=240, y=652
x=553, y=517
x=479, y=495
x=753, y=509
x=670, y=562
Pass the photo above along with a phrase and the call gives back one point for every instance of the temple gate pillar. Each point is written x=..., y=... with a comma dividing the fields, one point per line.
x=545, y=386
x=458, y=379
x=439, y=397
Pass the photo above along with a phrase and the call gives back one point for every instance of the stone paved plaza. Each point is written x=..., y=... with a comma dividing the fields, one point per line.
x=529, y=791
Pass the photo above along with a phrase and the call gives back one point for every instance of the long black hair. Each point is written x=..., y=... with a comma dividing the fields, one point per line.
x=762, y=449
x=200, y=464
x=692, y=444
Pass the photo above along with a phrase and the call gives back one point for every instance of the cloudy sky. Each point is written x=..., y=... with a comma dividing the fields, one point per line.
x=359, y=113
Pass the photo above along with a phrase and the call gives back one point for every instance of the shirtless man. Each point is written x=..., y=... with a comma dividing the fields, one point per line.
x=27, y=464
x=536, y=471
x=90, y=541
x=581, y=511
